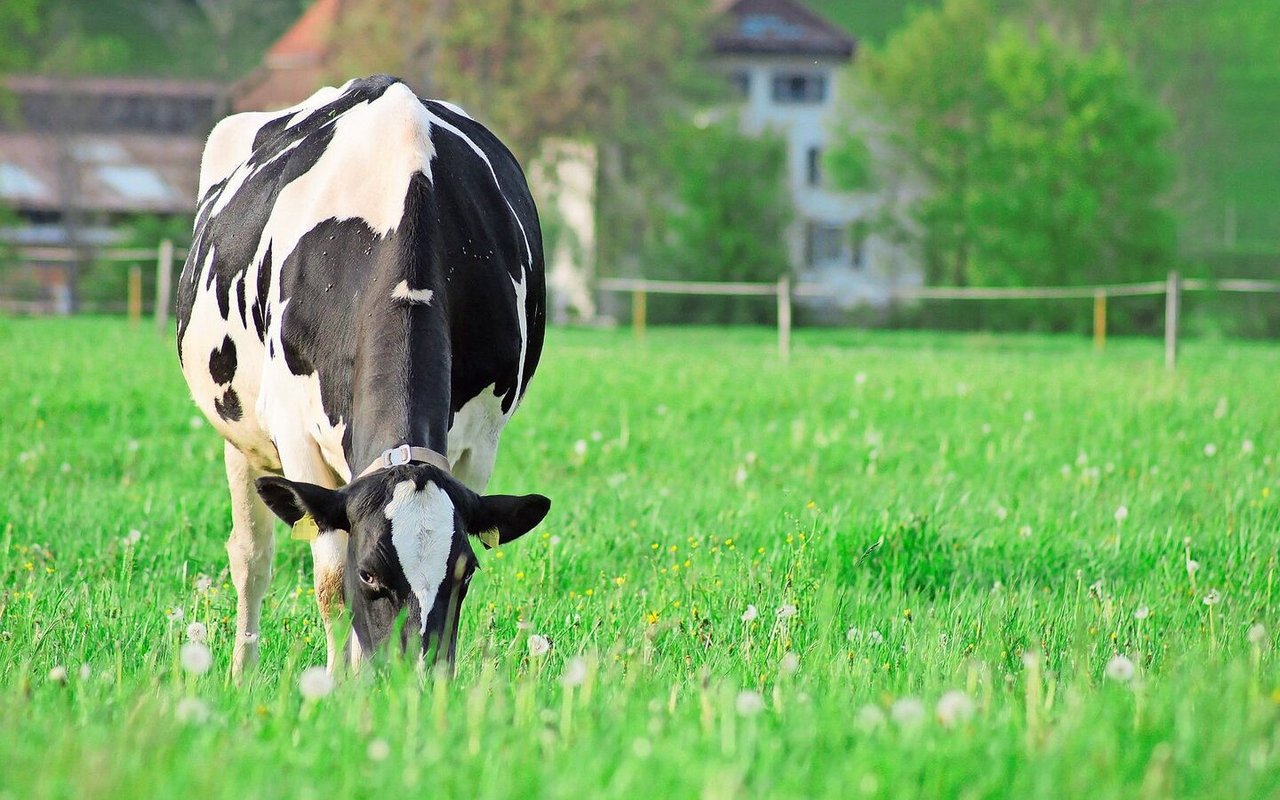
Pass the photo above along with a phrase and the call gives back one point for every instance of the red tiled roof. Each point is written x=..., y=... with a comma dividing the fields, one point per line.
x=295, y=66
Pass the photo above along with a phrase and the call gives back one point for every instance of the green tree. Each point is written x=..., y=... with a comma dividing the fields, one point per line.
x=1044, y=163
x=721, y=215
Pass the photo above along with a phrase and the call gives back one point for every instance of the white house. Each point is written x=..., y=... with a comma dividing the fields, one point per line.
x=786, y=62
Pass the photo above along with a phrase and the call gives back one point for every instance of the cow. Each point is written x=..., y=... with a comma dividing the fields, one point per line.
x=359, y=315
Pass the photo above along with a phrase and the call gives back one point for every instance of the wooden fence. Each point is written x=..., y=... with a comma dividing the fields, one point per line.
x=783, y=290
x=1172, y=288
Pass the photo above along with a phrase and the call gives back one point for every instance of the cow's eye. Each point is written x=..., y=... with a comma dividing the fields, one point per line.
x=369, y=579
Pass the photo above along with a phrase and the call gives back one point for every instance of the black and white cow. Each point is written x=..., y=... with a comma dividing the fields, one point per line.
x=363, y=307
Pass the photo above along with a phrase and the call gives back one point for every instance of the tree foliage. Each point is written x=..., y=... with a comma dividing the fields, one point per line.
x=721, y=210
x=1044, y=162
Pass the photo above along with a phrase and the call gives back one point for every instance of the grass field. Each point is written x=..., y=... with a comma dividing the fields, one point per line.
x=986, y=520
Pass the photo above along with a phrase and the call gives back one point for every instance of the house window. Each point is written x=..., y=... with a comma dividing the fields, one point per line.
x=740, y=81
x=814, y=166
x=858, y=246
x=824, y=243
x=799, y=87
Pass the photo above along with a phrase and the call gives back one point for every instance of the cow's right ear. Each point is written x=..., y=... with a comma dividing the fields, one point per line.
x=291, y=501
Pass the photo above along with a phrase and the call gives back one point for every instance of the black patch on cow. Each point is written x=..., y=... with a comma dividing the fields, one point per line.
x=240, y=302
x=228, y=406
x=222, y=362
x=260, y=314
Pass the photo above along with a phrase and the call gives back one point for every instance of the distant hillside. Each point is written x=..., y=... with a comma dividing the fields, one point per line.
x=1215, y=66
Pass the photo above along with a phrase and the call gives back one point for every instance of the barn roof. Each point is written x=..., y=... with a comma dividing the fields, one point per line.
x=778, y=27
x=295, y=66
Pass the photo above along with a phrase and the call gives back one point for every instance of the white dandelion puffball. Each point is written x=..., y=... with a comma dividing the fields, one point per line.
x=750, y=614
x=315, y=682
x=204, y=583
x=539, y=645
x=86, y=672
x=852, y=635
x=378, y=750
x=1246, y=446
x=1141, y=612
x=175, y=615
x=197, y=632
x=580, y=448
x=1210, y=450
x=1120, y=669
x=786, y=611
x=192, y=710
x=790, y=663
x=954, y=708
x=749, y=703
x=875, y=637
x=58, y=674
x=575, y=672
x=1122, y=513
x=907, y=713
x=134, y=537
x=869, y=719
x=1212, y=598
x=195, y=658
x=1193, y=566
x=1257, y=633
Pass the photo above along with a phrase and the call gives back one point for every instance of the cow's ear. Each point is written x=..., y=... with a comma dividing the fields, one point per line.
x=509, y=515
x=291, y=501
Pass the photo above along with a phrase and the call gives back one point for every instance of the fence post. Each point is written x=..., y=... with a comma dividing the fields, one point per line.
x=1100, y=319
x=1172, y=307
x=638, y=302
x=164, y=280
x=784, y=317
x=135, y=294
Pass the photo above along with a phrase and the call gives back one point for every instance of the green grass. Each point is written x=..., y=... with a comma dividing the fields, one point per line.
x=988, y=470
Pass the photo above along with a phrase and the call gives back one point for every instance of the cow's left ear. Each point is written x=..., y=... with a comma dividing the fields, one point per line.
x=292, y=500
x=509, y=515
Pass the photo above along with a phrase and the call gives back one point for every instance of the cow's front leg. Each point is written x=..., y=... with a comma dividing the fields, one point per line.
x=250, y=549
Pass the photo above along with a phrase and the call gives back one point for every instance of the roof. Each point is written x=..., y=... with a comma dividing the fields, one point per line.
x=127, y=173
x=778, y=27
x=295, y=66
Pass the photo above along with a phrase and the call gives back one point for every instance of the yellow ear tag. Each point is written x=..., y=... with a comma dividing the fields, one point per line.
x=306, y=529
x=489, y=537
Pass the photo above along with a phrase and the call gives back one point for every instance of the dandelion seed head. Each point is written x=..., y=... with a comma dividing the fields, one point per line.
x=954, y=708
x=86, y=672
x=1210, y=450
x=750, y=614
x=195, y=658
x=1212, y=598
x=58, y=674
x=869, y=719
x=786, y=611
x=192, y=711
x=1120, y=669
x=1193, y=566
x=539, y=645
x=1257, y=633
x=197, y=632
x=315, y=682
x=575, y=672
x=174, y=615
x=1122, y=513
x=1246, y=446
x=907, y=713
x=790, y=663
x=203, y=583
x=1141, y=612
x=749, y=703
x=378, y=750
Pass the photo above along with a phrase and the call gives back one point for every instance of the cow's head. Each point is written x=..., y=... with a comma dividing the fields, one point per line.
x=411, y=529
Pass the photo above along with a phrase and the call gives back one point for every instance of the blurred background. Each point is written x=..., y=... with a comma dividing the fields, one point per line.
x=869, y=153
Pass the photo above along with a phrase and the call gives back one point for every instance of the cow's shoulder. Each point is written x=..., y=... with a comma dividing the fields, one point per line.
x=229, y=145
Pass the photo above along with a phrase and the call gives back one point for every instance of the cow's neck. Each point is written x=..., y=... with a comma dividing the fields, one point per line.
x=401, y=383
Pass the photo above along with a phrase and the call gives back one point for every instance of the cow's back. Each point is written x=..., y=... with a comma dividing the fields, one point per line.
x=325, y=228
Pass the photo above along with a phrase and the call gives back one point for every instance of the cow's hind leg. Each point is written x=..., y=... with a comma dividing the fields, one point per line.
x=250, y=549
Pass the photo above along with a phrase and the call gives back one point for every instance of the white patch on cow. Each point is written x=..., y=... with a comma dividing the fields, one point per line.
x=384, y=142
x=422, y=532
x=473, y=438
x=403, y=292
x=522, y=294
